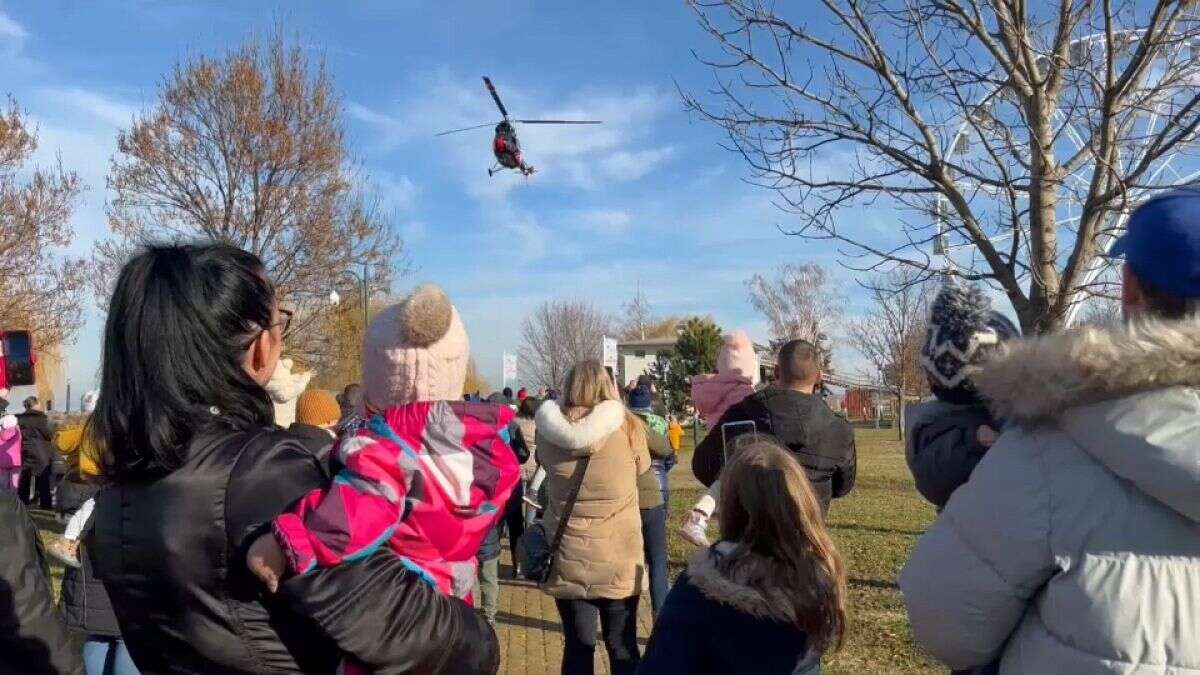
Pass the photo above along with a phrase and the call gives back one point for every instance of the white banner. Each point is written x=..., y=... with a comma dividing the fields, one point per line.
x=510, y=369
x=609, y=351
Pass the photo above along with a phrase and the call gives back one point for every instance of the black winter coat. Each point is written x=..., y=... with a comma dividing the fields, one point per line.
x=85, y=603
x=171, y=552
x=942, y=447
x=37, y=450
x=819, y=439
x=34, y=639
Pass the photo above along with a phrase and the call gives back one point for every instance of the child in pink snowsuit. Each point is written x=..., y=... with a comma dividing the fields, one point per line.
x=10, y=453
x=421, y=471
x=736, y=377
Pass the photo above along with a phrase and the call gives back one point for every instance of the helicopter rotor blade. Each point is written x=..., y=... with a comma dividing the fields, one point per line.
x=559, y=121
x=455, y=131
x=496, y=97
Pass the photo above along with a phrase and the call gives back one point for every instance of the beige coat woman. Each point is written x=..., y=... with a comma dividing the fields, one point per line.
x=601, y=554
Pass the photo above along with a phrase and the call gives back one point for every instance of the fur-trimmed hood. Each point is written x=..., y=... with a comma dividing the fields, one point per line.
x=554, y=427
x=1038, y=379
x=734, y=592
x=1126, y=395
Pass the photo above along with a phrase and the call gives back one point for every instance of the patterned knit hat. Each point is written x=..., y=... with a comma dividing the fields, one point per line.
x=962, y=330
x=318, y=408
x=416, y=350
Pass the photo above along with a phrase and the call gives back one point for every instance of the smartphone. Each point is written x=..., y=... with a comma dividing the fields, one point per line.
x=733, y=435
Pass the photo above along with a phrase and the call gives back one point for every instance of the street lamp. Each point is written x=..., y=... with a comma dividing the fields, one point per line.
x=363, y=281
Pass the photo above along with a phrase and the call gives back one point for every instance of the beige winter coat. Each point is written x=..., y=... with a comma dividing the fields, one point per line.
x=1074, y=548
x=601, y=555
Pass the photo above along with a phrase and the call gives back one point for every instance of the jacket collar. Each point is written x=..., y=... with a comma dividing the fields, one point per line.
x=554, y=427
x=1038, y=379
x=735, y=592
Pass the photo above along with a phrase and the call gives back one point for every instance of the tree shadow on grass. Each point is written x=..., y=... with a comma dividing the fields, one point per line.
x=876, y=530
x=874, y=583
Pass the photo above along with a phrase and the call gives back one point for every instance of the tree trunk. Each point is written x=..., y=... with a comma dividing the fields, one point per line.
x=900, y=415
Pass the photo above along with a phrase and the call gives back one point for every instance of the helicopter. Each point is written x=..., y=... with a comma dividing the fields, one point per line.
x=505, y=145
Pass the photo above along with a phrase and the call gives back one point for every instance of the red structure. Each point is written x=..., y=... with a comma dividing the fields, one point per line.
x=860, y=404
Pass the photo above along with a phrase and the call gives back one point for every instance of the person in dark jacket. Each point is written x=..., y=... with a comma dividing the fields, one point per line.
x=948, y=436
x=37, y=456
x=487, y=585
x=792, y=412
x=89, y=613
x=770, y=596
x=34, y=638
x=195, y=470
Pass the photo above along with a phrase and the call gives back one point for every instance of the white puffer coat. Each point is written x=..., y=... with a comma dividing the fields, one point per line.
x=1075, y=546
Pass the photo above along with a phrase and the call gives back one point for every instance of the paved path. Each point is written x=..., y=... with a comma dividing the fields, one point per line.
x=530, y=633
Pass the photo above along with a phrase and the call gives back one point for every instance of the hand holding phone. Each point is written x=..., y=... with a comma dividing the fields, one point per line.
x=733, y=436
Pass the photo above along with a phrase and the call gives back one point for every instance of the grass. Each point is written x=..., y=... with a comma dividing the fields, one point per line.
x=875, y=528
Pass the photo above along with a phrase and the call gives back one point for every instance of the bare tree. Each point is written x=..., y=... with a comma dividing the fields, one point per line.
x=641, y=322
x=639, y=315
x=40, y=290
x=800, y=302
x=249, y=148
x=559, y=334
x=1014, y=137
x=1102, y=310
x=889, y=336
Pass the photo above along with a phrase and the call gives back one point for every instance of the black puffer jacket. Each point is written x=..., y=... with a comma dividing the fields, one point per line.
x=34, y=639
x=820, y=440
x=171, y=552
x=37, y=452
x=85, y=603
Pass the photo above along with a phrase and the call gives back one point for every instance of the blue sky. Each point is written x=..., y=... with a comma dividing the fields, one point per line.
x=647, y=197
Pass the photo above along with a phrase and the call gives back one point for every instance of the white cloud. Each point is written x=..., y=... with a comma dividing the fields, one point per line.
x=104, y=109
x=396, y=192
x=10, y=30
x=633, y=165
x=605, y=222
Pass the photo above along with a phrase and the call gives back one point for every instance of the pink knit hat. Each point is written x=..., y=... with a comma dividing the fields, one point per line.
x=737, y=356
x=415, y=350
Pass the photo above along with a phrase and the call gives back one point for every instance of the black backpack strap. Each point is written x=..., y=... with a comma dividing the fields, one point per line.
x=572, y=496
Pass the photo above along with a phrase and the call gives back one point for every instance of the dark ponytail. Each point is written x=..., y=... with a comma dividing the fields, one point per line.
x=179, y=323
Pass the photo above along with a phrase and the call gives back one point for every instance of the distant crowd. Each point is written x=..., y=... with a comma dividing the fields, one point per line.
x=202, y=536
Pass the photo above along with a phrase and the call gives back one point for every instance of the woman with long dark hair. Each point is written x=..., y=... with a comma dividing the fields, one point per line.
x=196, y=469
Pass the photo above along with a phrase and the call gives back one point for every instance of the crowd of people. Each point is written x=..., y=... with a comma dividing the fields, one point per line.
x=365, y=536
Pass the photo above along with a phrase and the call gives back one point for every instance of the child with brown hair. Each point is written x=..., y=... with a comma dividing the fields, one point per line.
x=770, y=596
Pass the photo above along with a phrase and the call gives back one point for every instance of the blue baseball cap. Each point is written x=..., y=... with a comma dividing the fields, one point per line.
x=1162, y=242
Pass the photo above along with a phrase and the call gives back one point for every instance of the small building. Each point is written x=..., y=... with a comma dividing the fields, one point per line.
x=636, y=357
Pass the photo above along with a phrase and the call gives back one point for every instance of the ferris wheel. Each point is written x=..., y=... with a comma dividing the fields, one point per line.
x=1180, y=63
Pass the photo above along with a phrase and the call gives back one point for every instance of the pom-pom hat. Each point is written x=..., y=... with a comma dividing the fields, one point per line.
x=415, y=350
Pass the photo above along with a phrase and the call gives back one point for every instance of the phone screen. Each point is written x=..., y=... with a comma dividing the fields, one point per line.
x=733, y=435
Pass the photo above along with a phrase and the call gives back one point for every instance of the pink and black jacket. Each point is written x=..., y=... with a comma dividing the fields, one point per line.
x=427, y=478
